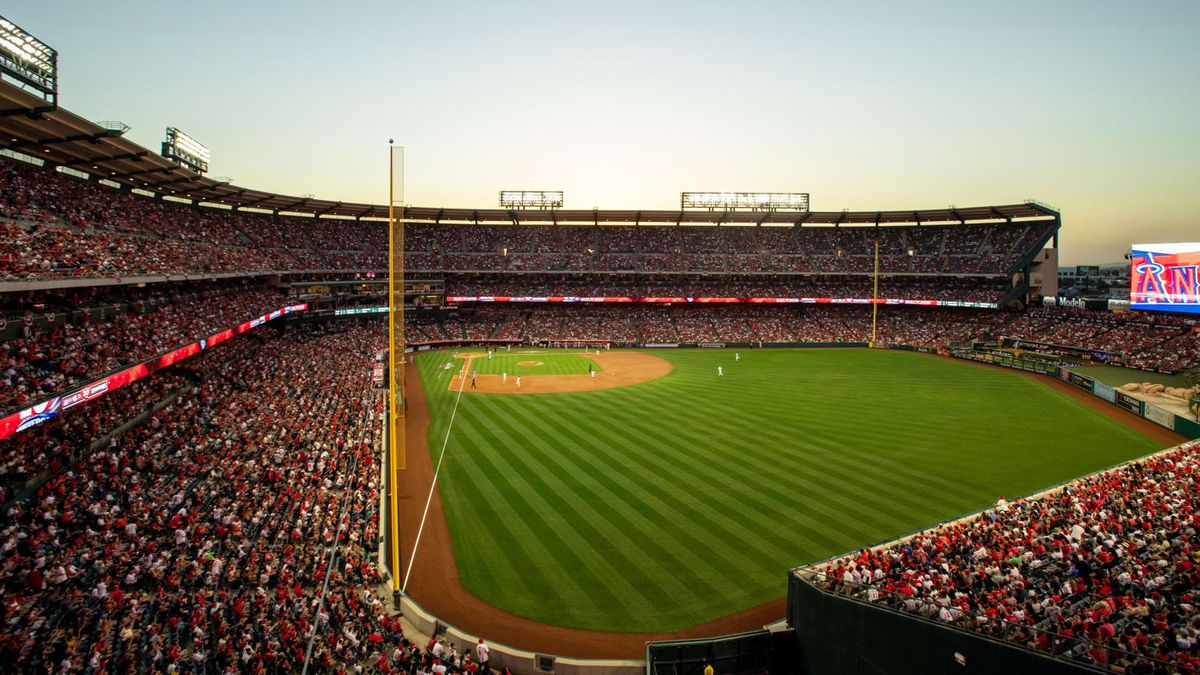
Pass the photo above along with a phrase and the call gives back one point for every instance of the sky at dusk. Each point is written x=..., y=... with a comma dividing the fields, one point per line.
x=1090, y=106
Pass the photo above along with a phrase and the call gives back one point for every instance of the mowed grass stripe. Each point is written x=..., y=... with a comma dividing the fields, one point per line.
x=596, y=478
x=828, y=475
x=607, y=530
x=748, y=466
x=676, y=506
x=869, y=450
x=526, y=509
x=585, y=529
x=767, y=459
x=803, y=453
x=734, y=520
x=644, y=497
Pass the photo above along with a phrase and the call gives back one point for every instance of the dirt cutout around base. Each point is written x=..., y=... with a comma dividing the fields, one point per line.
x=620, y=369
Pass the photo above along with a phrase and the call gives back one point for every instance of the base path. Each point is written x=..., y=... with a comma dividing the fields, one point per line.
x=619, y=369
x=435, y=585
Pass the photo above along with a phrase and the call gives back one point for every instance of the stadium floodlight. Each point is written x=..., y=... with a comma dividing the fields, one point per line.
x=185, y=151
x=757, y=201
x=531, y=199
x=28, y=61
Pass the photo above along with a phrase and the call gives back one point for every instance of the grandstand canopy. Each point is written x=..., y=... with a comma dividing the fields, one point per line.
x=100, y=150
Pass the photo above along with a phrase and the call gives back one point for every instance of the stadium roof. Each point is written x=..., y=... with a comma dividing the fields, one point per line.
x=63, y=138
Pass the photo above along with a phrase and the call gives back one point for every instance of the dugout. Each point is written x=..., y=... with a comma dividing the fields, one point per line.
x=838, y=635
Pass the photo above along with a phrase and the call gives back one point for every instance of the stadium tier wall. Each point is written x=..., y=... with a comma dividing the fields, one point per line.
x=837, y=635
x=763, y=651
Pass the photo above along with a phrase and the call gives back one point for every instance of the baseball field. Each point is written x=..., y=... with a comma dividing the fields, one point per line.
x=627, y=501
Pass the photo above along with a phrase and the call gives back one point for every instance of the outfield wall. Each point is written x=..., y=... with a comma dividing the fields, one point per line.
x=771, y=650
x=843, y=636
x=1181, y=425
x=442, y=344
x=517, y=660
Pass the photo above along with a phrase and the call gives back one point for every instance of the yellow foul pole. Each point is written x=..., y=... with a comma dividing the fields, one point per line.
x=875, y=297
x=395, y=452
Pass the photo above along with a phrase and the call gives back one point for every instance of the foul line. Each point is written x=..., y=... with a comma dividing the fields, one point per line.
x=442, y=455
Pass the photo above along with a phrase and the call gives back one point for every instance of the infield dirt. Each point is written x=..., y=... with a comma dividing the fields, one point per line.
x=618, y=369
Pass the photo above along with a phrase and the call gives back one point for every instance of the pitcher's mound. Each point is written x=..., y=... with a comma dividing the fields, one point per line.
x=529, y=363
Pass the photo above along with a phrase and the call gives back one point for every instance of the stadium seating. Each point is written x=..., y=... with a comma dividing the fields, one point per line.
x=181, y=538
x=57, y=226
x=1101, y=571
x=200, y=537
x=41, y=362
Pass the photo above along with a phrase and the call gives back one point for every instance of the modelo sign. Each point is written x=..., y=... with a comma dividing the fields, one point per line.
x=1165, y=277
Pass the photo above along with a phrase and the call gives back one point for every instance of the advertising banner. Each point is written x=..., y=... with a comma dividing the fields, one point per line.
x=675, y=300
x=355, y=311
x=1129, y=403
x=1160, y=415
x=50, y=408
x=1082, y=381
x=1104, y=391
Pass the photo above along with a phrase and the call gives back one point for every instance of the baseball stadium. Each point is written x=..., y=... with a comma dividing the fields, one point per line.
x=246, y=431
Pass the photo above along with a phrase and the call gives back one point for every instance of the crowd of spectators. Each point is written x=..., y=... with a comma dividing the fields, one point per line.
x=623, y=323
x=199, y=540
x=1151, y=341
x=53, y=225
x=963, y=249
x=56, y=226
x=47, y=352
x=1103, y=570
x=53, y=445
x=973, y=289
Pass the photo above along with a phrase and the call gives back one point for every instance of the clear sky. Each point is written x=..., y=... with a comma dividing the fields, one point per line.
x=1090, y=106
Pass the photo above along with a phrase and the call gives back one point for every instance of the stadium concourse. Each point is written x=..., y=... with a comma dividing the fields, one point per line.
x=183, y=520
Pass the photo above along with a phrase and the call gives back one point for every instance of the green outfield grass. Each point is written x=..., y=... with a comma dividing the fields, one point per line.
x=670, y=503
x=553, y=362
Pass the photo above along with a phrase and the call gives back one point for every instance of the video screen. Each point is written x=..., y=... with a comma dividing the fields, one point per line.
x=1165, y=277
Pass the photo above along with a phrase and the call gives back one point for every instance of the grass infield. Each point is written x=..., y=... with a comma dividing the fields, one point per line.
x=521, y=362
x=670, y=503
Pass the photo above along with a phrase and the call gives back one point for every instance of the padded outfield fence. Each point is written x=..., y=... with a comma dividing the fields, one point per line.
x=840, y=635
x=770, y=650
